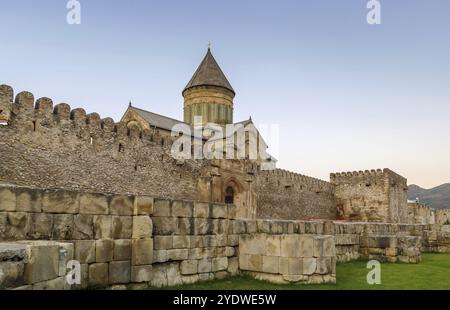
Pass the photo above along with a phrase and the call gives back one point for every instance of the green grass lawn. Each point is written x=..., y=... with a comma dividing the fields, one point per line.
x=433, y=273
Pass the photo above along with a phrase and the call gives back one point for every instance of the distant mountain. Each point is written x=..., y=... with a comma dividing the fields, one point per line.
x=438, y=197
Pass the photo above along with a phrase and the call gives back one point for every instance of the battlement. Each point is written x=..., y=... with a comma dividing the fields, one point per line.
x=293, y=177
x=356, y=176
x=26, y=113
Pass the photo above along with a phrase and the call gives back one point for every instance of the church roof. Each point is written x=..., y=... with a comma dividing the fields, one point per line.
x=209, y=74
x=157, y=120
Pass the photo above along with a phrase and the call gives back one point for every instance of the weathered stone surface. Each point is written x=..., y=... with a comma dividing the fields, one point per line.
x=41, y=226
x=204, y=265
x=177, y=254
x=142, y=252
x=122, y=227
x=19, y=227
x=43, y=262
x=219, y=264
x=161, y=208
x=160, y=256
x=219, y=211
x=102, y=226
x=191, y=279
x=143, y=205
x=233, y=265
x=200, y=226
x=11, y=274
x=164, y=225
x=66, y=254
x=83, y=227
x=57, y=284
x=324, y=246
x=142, y=227
x=270, y=264
x=173, y=274
x=63, y=226
x=84, y=251
x=159, y=275
x=309, y=265
x=98, y=275
x=273, y=246
x=61, y=201
x=141, y=274
x=253, y=244
x=104, y=250
x=201, y=210
x=182, y=209
x=185, y=226
x=28, y=200
x=122, y=249
x=122, y=205
x=163, y=242
x=119, y=272
x=324, y=265
x=94, y=204
x=7, y=199
x=181, y=242
x=188, y=267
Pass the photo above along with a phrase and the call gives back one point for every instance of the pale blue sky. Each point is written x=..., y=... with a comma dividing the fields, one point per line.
x=347, y=95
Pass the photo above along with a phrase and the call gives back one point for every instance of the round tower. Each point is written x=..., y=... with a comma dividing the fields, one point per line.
x=209, y=94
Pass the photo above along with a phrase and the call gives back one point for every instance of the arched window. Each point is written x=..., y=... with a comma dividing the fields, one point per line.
x=229, y=195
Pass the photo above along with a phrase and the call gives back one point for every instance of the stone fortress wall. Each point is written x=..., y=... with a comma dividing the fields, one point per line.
x=283, y=194
x=371, y=196
x=123, y=239
x=113, y=198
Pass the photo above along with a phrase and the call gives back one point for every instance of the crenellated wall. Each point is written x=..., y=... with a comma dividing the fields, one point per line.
x=56, y=146
x=283, y=194
x=372, y=196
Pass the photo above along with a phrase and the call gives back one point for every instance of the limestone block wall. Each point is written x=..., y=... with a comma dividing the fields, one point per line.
x=288, y=258
x=371, y=196
x=111, y=234
x=287, y=195
x=193, y=241
x=35, y=265
x=421, y=214
x=443, y=216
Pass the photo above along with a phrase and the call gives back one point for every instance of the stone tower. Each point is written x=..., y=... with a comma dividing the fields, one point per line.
x=209, y=94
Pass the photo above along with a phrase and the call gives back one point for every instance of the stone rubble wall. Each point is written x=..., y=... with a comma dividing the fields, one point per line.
x=35, y=265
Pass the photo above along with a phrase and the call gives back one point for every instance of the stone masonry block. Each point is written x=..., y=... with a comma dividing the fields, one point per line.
x=94, y=204
x=324, y=246
x=164, y=225
x=41, y=226
x=11, y=274
x=200, y=226
x=104, y=250
x=20, y=225
x=219, y=211
x=43, y=262
x=84, y=251
x=142, y=227
x=161, y=208
x=254, y=244
x=102, y=226
x=142, y=252
x=204, y=265
x=7, y=199
x=188, y=267
x=201, y=210
x=61, y=201
x=143, y=205
x=122, y=205
x=140, y=274
x=122, y=250
x=273, y=245
x=177, y=254
x=270, y=264
x=182, y=209
x=83, y=227
x=219, y=264
x=185, y=226
x=163, y=242
x=309, y=265
x=122, y=227
x=63, y=226
x=181, y=242
x=98, y=275
x=119, y=272
x=28, y=200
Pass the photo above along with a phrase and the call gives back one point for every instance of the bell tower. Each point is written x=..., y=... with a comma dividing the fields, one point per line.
x=209, y=94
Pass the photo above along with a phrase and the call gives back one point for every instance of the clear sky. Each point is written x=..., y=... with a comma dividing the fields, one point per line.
x=347, y=95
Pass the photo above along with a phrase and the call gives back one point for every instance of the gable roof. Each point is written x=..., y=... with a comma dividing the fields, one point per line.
x=157, y=120
x=209, y=74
